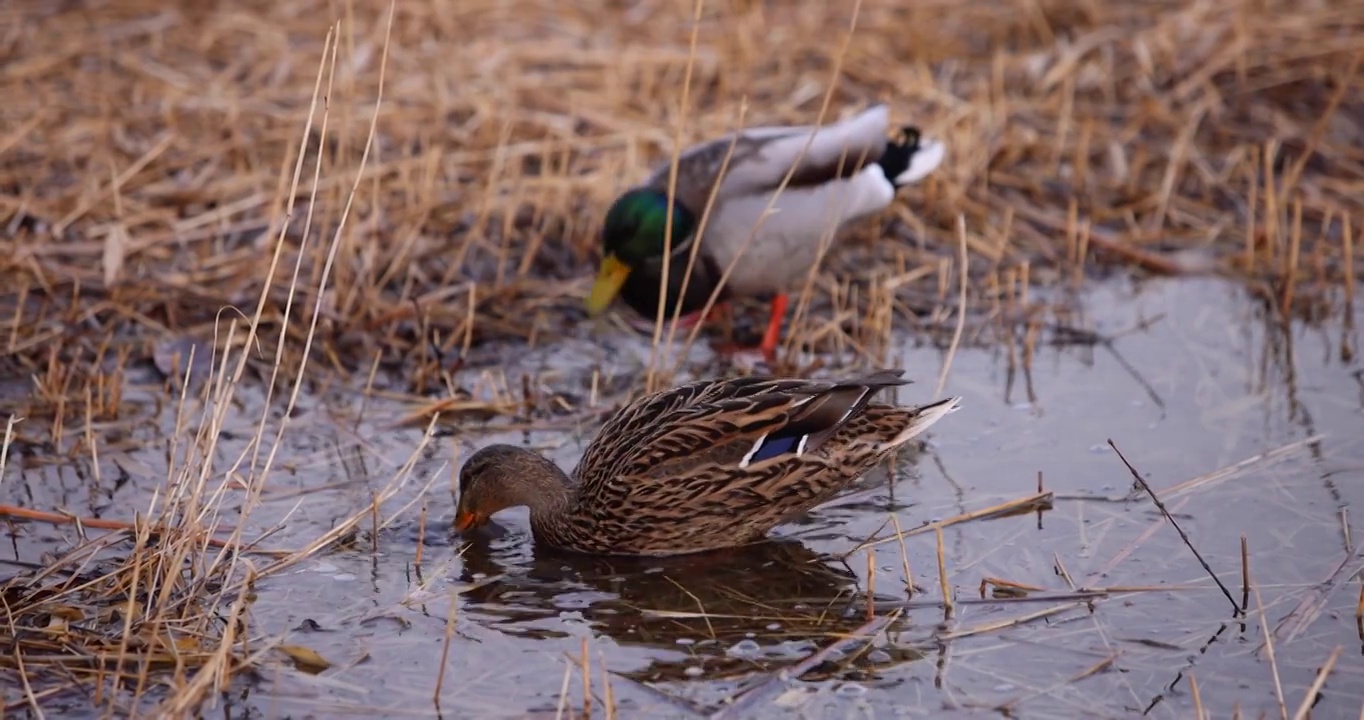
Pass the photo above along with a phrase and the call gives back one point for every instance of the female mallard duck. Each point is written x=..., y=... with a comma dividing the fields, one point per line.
x=839, y=173
x=708, y=465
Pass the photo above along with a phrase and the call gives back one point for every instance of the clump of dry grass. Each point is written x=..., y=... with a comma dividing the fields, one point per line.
x=147, y=151
x=153, y=617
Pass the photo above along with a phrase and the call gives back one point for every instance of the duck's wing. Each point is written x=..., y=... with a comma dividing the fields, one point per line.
x=701, y=437
x=759, y=158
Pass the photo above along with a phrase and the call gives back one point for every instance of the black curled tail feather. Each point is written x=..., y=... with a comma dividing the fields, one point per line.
x=900, y=152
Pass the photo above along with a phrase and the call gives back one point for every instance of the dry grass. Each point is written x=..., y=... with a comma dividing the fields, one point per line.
x=149, y=159
x=147, y=151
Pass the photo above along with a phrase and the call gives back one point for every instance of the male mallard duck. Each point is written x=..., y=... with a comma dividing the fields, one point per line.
x=707, y=465
x=843, y=172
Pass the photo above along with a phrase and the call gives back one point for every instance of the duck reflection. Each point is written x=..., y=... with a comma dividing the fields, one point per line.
x=711, y=615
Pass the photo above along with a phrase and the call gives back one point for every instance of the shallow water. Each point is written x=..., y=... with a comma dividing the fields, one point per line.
x=1210, y=383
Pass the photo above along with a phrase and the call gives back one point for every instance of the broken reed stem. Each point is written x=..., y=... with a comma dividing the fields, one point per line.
x=586, y=670
x=562, y=705
x=871, y=584
x=1003, y=509
x=5, y=445
x=1245, y=575
x=1359, y=613
x=963, y=263
x=608, y=693
x=445, y=649
x=374, y=523
x=1269, y=652
x=1309, y=698
x=1348, y=260
x=1171, y=519
x=1294, y=249
x=942, y=575
x=421, y=536
x=1061, y=570
x=674, y=167
x=909, y=574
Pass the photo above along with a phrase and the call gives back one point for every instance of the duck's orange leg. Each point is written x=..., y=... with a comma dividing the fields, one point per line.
x=771, y=337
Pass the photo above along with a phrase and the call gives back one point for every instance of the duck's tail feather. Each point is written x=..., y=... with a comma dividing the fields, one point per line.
x=924, y=417
x=911, y=158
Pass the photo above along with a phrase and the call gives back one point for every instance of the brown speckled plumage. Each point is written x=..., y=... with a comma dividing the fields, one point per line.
x=707, y=465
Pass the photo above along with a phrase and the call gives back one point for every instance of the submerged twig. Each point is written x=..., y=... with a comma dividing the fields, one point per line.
x=1236, y=608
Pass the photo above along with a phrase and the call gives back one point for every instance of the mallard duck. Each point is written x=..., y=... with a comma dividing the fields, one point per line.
x=704, y=466
x=843, y=172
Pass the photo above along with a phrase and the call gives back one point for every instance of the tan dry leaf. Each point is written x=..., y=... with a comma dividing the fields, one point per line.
x=67, y=612
x=305, y=659
x=115, y=249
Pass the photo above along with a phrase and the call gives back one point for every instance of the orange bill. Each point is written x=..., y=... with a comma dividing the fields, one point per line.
x=465, y=521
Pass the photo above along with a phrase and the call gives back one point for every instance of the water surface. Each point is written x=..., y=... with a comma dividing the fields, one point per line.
x=1198, y=379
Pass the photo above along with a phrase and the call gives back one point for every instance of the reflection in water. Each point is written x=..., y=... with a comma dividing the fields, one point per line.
x=716, y=615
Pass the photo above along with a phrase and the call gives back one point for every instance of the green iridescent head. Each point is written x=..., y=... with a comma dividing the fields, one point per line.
x=635, y=233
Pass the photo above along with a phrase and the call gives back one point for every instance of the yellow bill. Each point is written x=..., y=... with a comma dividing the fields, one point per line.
x=609, y=279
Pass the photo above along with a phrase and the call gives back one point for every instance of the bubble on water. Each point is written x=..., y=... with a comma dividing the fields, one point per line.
x=1004, y=687
x=792, y=649
x=1098, y=448
x=693, y=671
x=750, y=634
x=685, y=641
x=878, y=656
x=792, y=698
x=851, y=689
x=774, y=626
x=744, y=648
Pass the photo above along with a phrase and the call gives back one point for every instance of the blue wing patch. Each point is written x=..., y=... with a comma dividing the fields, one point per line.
x=770, y=446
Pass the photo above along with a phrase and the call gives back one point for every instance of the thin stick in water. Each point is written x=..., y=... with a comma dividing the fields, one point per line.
x=1308, y=699
x=1269, y=652
x=1183, y=536
x=942, y=575
x=961, y=306
x=909, y=574
x=871, y=584
x=445, y=651
x=587, y=681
